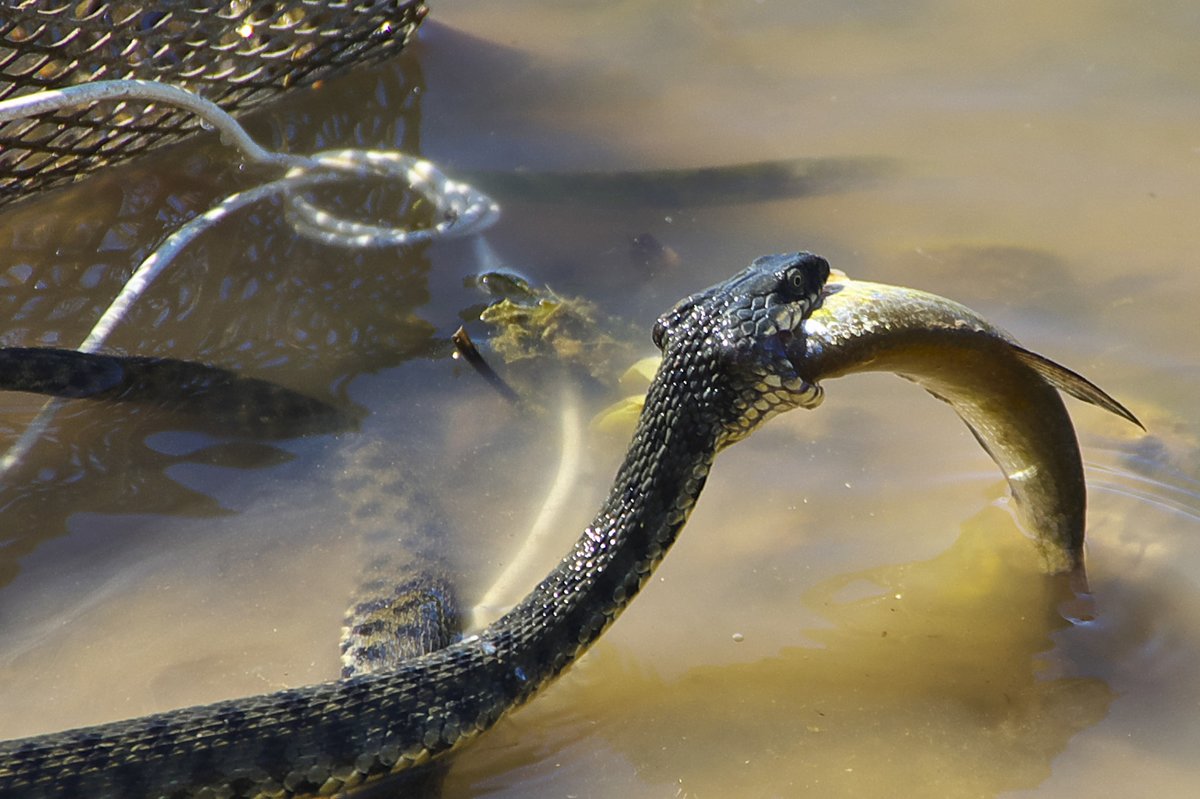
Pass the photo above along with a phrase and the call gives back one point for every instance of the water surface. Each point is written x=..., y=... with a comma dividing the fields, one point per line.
x=852, y=610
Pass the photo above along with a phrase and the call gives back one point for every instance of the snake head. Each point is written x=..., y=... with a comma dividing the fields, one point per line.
x=775, y=292
x=736, y=337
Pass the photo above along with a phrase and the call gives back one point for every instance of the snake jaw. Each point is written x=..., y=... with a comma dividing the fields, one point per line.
x=749, y=324
x=774, y=293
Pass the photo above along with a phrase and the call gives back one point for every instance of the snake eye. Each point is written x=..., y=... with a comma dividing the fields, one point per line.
x=805, y=276
x=798, y=284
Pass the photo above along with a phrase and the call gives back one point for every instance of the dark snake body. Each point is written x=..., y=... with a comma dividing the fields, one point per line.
x=725, y=370
x=225, y=399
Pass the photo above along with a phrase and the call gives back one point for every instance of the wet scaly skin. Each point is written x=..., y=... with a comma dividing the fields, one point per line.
x=733, y=356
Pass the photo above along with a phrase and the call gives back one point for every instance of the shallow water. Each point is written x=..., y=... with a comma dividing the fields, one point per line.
x=852, y=610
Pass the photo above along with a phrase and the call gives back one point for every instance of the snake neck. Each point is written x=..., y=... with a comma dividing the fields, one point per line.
x=725, y=370
x=656, y=487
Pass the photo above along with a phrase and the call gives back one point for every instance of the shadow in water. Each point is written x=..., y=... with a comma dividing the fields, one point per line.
x=932, y=678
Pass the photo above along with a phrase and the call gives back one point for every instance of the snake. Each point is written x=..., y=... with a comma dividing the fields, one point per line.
x=733, y=356
x=222, y=399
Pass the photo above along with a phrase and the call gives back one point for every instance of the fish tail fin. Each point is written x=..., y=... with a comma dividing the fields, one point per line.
x=1073, y=383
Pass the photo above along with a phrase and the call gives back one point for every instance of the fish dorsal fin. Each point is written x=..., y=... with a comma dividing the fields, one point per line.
x=1073, y=383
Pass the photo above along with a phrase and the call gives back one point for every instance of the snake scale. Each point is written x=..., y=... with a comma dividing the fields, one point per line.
x=726, y=369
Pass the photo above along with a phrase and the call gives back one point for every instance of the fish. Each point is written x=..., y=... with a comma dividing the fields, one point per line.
x=1008, y=396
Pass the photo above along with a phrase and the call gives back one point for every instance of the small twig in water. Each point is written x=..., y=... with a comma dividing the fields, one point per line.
x=466, y=348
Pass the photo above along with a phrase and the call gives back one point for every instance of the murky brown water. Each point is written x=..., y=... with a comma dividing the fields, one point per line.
x=1043, y=166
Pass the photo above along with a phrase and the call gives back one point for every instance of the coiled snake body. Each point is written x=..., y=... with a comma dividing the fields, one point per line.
x=725, y=370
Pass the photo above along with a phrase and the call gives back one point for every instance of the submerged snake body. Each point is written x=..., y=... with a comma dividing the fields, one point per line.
x=725, y=370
